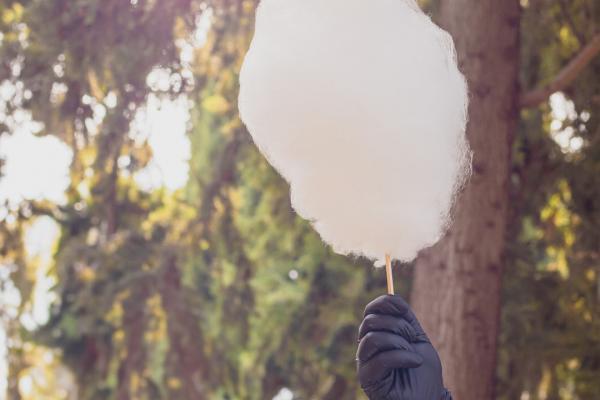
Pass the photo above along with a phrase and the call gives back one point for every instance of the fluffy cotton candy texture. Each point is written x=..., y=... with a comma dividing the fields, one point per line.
x=360, y=105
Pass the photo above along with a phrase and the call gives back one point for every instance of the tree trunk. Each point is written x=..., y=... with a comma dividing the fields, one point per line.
x=456, y=291
x=186, y=359
x=132, y=382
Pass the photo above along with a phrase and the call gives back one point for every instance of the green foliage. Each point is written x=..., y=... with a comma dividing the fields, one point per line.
x=550, y=341
x=219, y=291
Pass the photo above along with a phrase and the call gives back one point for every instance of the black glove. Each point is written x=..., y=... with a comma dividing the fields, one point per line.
x=396, y=360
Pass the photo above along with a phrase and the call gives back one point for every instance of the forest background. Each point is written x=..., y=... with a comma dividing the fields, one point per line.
x=148, y=251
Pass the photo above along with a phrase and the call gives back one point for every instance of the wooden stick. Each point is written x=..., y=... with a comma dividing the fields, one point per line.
x=388, y=274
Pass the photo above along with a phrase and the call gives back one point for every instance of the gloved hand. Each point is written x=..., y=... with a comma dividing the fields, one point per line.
x=396, y=360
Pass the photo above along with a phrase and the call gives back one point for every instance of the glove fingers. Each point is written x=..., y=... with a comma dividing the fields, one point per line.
x=396, y=306
x=387, y=323
x=382, y=364
x=377, y=342
x=388, y=305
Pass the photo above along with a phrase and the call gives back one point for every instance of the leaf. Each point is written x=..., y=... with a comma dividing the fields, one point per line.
x=216, y=104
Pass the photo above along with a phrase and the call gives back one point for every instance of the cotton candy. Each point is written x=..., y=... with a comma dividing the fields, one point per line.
x=360, y=105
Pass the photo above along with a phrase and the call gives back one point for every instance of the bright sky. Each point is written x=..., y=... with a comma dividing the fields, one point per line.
x=564, y=110
x=166, y=124
x=38, y=167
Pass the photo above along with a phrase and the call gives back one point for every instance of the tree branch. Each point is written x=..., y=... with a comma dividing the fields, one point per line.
x=565, y=77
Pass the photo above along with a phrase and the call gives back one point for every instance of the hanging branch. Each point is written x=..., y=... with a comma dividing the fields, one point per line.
x=565, y=77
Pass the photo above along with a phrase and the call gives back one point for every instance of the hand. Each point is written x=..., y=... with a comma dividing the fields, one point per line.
x=396, y=360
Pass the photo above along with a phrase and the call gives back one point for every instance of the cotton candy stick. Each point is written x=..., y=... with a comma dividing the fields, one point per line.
x=389, y=274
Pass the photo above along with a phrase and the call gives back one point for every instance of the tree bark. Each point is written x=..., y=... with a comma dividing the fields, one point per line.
x=132, y=382
x=186, y=359
x=456, y=291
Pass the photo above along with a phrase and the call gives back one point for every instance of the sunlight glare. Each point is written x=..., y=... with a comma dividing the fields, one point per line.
x=36, y=167
x=563, y=111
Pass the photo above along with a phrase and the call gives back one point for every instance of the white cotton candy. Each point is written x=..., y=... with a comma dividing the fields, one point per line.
x=360, y=105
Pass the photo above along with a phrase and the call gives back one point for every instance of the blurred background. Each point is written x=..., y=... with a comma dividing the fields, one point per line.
x=148, y=251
